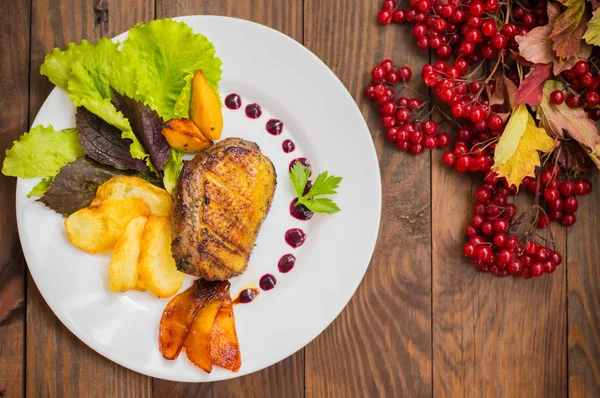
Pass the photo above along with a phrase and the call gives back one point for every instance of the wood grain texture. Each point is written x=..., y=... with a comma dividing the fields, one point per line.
x=381, y=343
x=14, y=104
x=492, y=336
x=424, y=322
x=285, y=379
x=58, y=364
x=583, y=281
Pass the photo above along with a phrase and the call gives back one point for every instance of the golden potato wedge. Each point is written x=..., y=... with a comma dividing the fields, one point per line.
x=184, y=135
x=123, y=273
x=97, y=228
x=179, y=314
x=224, y=345
x=156, y=267
x=205, y=107
x=159, y=200
x=198, y=339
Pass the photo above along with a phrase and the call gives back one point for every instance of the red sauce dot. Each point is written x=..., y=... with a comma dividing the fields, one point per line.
x=288, y=146
x=286, y=263
x=267, y=282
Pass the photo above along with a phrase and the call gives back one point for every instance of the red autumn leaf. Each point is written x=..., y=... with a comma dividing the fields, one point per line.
x=558, y=118
x=585, y=50
x=536, y=46
x=569, y=28
x=531, y=89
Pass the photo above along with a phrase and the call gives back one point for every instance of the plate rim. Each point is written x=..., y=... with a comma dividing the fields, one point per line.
x=371, y=244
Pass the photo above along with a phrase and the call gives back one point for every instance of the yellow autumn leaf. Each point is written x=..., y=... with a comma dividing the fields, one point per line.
x=516, y=155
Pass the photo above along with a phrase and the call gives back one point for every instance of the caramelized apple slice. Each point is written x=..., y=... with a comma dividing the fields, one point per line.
x=197, y=341
x=179, y=315
x=205, y=107
x=224, y=345
x=185, y=136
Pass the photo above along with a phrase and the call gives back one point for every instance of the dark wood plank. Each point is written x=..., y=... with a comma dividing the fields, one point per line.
x=14, y=58
x=381, y=343
x=287, y=377
x=58, y=364
x=492, y=336
x=583, y=282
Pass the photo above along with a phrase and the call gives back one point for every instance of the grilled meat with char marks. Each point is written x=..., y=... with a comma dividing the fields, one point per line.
x=221, y=199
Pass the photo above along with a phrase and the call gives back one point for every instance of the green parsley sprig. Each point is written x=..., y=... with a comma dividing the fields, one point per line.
x=324, y=184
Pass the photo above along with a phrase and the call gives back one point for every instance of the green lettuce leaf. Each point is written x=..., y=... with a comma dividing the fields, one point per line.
x=41, y=187
x=167, y=54
x=57, y=64
x=42, y=152
x=172, y=169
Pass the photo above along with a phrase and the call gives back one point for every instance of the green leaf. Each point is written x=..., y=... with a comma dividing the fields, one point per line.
x=166, y=53
x=299, y=175
x=324, y=185
x=172, y=169
x=57, y=64
x=41, y=187
x=182, y=104
x=321, y=205
x=42, y=152
x=592, y=34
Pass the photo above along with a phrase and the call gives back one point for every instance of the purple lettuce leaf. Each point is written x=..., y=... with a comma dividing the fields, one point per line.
x=147, y=126
x=74, y=187
x=103, y=142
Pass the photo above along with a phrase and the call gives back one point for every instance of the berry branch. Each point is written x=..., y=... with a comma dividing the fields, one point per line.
x=561, y=93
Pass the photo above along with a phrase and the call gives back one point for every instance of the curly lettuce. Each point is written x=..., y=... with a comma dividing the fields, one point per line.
x=42, y=152
x=167, y=54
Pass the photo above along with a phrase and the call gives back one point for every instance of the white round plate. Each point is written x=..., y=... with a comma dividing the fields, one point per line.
x=319, y=115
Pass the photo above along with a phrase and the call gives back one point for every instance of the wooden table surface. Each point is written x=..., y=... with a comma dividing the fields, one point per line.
x=423, y=322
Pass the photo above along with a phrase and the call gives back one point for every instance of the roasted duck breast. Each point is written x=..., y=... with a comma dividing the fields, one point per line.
x=221, y=199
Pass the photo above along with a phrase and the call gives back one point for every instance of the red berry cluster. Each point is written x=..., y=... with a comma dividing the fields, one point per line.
x=463, y=160
x=402, y=116
x=475, y=31
x=583, y=89
x=466, y=99
x=559, y=194
x=468, y=28
x=493, y=245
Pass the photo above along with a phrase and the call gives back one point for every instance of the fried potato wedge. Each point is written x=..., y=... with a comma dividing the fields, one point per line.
x=123, y=270
x=205, y=107
x=185, y=136
x=97, y=228
x=198, y=339
x=179, y=314
x=224, y=344
x=156, y=266
x=159, y=200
